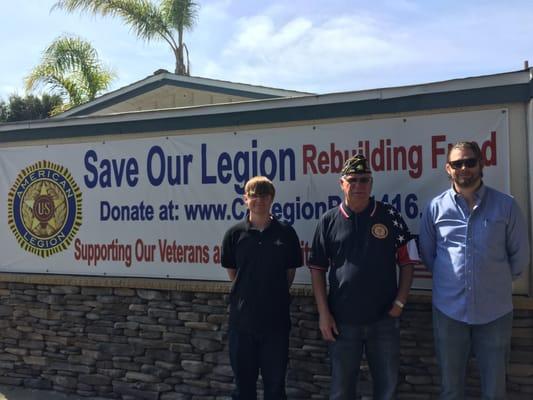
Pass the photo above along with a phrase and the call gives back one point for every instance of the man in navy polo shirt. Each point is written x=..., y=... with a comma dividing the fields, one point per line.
x=359, y=244
x=261, y=255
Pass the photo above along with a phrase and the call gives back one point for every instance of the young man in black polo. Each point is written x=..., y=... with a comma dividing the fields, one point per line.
x=360, y=243
x=260, y=255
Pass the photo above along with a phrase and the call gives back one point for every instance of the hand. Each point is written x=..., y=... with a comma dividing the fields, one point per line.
x=395, y=311
x=328, y=327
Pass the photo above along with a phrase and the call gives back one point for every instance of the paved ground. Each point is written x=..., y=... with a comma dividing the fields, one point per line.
x=18, y=393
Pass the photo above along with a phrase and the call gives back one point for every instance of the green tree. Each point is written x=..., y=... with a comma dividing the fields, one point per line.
x=70, y=67
x=148, y=20
x=29, y=107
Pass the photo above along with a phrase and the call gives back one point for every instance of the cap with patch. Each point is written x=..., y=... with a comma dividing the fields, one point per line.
x=357, y=164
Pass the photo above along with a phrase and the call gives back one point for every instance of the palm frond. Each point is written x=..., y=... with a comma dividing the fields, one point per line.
x=70, y=67
x=146, y=19
x=180, y=14
x=142, y=16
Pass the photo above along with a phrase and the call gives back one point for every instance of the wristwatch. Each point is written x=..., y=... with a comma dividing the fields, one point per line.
x=399, y=303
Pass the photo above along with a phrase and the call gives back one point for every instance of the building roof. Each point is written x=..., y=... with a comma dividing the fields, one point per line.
x=497, y=89
x=167, y=90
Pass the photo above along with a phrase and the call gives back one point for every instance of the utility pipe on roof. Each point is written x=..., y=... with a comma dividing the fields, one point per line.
x=529, y=166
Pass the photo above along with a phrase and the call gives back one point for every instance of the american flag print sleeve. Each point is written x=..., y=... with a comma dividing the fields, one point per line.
x=406, y=247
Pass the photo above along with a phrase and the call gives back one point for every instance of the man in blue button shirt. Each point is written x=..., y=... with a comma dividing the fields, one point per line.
x=474, y=240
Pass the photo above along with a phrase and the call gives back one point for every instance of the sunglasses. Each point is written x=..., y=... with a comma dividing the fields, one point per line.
x=363, y=180
x=468, y=163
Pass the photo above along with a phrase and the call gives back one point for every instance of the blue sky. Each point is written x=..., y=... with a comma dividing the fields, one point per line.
x=307, y=45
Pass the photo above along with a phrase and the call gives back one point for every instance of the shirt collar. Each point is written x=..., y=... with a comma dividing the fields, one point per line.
x=479, y=194
x=347, y=213
x=249, y=226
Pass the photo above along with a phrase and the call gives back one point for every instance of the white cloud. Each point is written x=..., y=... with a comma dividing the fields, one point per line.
x=299, y=50
x=398, y=43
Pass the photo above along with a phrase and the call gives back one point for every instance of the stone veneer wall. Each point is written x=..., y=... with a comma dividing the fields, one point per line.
x=166, y=340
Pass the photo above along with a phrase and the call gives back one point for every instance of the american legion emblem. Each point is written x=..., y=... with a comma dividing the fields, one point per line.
x=44, y=208
x=379, y=231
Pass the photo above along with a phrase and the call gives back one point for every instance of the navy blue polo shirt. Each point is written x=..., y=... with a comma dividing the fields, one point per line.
x=360, y=252
x=260, y=299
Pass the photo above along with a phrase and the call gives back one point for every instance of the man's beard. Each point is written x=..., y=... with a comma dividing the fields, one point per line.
x=466, y=182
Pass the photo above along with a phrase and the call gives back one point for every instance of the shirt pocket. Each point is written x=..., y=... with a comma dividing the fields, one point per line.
x=493, y=237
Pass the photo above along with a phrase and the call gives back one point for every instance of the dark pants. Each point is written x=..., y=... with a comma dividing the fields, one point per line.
x=250, y=353
x=380, y=341
x=491, y=343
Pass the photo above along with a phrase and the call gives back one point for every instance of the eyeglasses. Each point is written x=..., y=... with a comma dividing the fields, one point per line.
x=363, y=180
x=468, y=163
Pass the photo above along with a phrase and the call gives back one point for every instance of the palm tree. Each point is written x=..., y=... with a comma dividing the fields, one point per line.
x=147, y=20
x=70, y=68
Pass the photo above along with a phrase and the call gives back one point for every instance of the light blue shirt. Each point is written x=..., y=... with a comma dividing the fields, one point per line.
x=474, y=255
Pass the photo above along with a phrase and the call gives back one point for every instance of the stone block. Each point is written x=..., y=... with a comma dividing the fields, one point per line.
x=31, y=344
x=196, y=367
x=63, y=381
x=206, y=345
x=176, y=337
x=152, y=327
x=16, y=351
x=206, y=326
x=157, y=313
x=67, y=367
x=111, y=372
x=31, y=360
x=224, y=370
x=11, y=333
x=6, y=311
x=65, y=290
x=142, y=319
x=126, y=325
x=118, y=349
x=50, y=299
x=161, y=373
x=175, y=396
x=150, y=295
x=149, y=335
x=162, y=355
x=139, y=376
x=95, y=379
x=165, y=365
x=145, y=344
x=96, y=291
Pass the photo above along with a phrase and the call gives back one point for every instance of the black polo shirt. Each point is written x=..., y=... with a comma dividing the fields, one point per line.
x=260, y=299
x=361, y=251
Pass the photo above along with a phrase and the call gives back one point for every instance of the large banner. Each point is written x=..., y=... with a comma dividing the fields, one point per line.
x=158, y=207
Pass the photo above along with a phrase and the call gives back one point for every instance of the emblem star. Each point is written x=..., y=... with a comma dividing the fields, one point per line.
x=395, y=222
x=54, y=223
x=401, y=238
x=391, y=211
